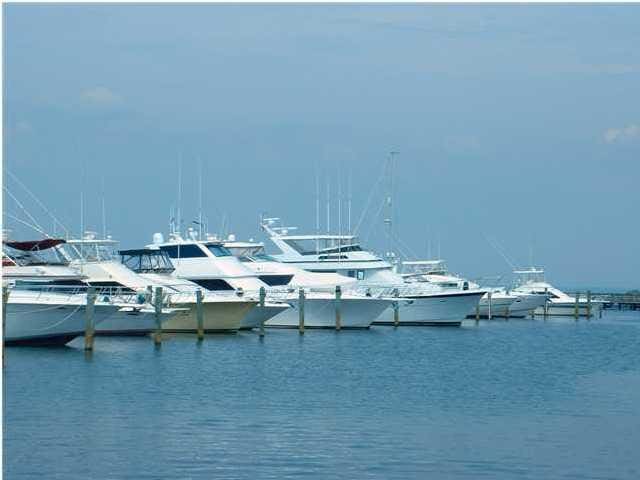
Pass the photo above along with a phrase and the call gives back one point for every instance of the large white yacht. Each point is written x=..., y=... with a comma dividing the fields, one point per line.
x=419, y=303
x=47, y=298
x=356, y=310
x=211, y=266
x=141, y=269
x=503, y=303
x=531, y=281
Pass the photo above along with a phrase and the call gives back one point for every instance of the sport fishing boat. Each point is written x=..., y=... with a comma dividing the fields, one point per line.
x=503, y=303
x=418, y=303
x=356, y=310
x=139, y=272
x=531, y=281
x=47, y=299
x=211, y=266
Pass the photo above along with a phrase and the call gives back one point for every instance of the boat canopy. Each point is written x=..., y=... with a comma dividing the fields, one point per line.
x=35, y=245
x=144, y=260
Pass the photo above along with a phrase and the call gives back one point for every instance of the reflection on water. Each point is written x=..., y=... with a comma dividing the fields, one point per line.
x=517, y=399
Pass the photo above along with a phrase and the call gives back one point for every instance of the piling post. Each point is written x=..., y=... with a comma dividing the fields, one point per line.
x=200, y=314
x=301, y=311
x=157, y=336
x=489, y=298
x=507, y=314
x=263, y=295
x=5, y=299
x=396, y=309
x=588, y=304
x=576, y=308
x=89, y=325
x=148, y=296
x=478, y=312
x=338, y=308
x=546, y=302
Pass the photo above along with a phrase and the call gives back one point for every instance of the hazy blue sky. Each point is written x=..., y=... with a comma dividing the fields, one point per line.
x=520, y=123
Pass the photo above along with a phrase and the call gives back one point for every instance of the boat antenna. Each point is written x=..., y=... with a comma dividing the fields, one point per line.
x=104, y=215
x=179, y=213
x=349, y=199
x=328, y=206
x=339, y=214
x=199, y=197
x=315, y=165
x=22, y=207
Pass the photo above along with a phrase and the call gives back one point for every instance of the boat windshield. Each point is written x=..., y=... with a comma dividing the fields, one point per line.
x=219, y=250
x=311, y=246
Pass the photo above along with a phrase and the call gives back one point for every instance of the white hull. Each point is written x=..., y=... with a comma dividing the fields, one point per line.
x=48, y=319
x=320, y=312
x=259, y=314
x=435, y=309
x=130, y=321
x=500, y=307
x=525, y=305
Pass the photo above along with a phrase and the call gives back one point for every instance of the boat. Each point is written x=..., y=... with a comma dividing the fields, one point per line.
x=502, y=303
x=357, y=311
x=47, y=301
x=140, y=272
x=211, y=266
x=531, y=282
x=417, y=303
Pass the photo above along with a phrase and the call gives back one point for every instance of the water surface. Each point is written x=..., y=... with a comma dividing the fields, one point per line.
x=517, y=399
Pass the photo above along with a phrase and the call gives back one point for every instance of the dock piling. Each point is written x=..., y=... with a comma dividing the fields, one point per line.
x=263, y=295
x=5, y=299
x=478, y=312
x=588, y=304
x=489, y=298
x=301, y=311
x=396, y=309
x=338, y=308
x=576, y=308
x=89, y=326
x=200, y=314
x=546, y=303
x=157, y=336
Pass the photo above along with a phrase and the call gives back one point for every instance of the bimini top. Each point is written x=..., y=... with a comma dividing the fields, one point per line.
x=35, y=245
x=144, y=260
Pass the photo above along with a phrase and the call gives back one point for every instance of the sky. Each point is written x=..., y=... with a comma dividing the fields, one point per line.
x=517, y=127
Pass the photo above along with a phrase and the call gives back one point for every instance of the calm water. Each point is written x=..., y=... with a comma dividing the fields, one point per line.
x=518, y=399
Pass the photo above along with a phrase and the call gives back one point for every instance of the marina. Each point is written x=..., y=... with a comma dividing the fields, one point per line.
x=386, y=241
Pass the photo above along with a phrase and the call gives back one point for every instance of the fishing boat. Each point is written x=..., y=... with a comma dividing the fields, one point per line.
x=140, y=272
x=356, y=310
x=531, y=281
x=418, y=303
x=211, y=266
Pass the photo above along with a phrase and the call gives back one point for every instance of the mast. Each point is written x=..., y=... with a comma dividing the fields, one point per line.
x=349, y=201
x=179, y=212
x=317, y=207
x=339, y=214
x=328, y=207
x=389, y=206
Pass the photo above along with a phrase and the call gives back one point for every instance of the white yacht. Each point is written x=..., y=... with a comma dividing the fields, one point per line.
x=418, y=303
x=356, y=310
x=47, y=299
x=139, y=270
x=211, y=266
x=531, y=281
x=503, y=303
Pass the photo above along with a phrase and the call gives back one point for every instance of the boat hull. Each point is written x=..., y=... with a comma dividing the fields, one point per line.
x=218, y=317
x=525, y=305
x=355, y=313
x=432, y=310
x=262, y=314
x=48, y=320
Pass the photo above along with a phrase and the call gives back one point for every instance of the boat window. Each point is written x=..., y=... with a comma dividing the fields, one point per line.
x=311, y=246
x=219, y=250
x=213, y=284
x=183, y=251
x=360, y=275
x=147, y=261
x=275, y=280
